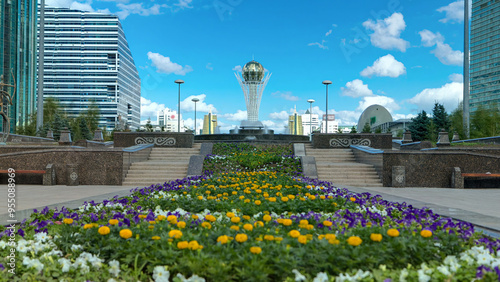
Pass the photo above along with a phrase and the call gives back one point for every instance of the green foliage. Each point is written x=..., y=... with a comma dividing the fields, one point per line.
x=149, y=126
x=457, y=122
x=485, y=122
x=440, y=119
x=353, y=129
x=58, y=125
x=432, y=133
x=50, y=109
x=366, y=128
x=30, y=128
x=92, y=117
x=378, y=130
x=419, y=128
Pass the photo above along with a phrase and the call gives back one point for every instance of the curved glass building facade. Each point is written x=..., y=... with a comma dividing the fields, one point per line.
x=87, y=60
x=18, y=20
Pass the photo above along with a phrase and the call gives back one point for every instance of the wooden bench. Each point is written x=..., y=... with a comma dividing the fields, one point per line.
x=49, y=176
x=489, y=179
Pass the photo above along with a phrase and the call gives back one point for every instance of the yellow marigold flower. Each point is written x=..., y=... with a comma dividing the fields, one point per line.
x=155, y=237
x=267, y=218
x=246, y=201
x=302, y=198
x=278, y=239
x=182, y=245
x=234, y=192
x=312, y=197
x=352, y=199
x=255, y=250
x=113, y=221
x=193, y=245
x=230, y=214
x=334, y=241
x=194, y=216
x=376, y=237
x=327, y=223
x=125, y=233
x=321, y=236
x=268, y=237
x=88, y=226
x=200, y=197
x=235, y=227
x=241, y=238
x=280, y=220
x=223, y=239
x=393, y=232
x=246, y=217
x=257, y=202
x=171, y=218
x=207, y=192
x=161, y=217
x=242, y=197
x=248, y=227
x=287, y=222
x=210, y=218
x=103, y=230
x=330, y=237
x=175, y=234
x=304, y=222
x=152, y=222
x=68, y=220
x=151, y=227
x=354, y=241
x=302, y=239
x=235, y=219
x=294, y=233
x=322, y=197
x=426, y=233
x=258, y=223
x=284, y=199
x=206, y=225
x=181, y=224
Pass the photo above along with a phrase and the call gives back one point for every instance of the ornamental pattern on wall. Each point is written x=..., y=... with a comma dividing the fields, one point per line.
x=346, y=142
x=158, y=141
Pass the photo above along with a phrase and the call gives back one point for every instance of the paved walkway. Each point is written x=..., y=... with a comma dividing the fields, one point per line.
x=478, y=206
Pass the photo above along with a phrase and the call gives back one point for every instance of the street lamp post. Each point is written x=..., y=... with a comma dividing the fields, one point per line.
x=326, y=82
x=310, y=101
x=179, y=81
x=195, y=100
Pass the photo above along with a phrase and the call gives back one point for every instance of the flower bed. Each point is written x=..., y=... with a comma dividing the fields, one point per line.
x=248, y=226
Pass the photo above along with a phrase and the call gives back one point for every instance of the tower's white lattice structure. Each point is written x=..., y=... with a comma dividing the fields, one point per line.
x=253, y=80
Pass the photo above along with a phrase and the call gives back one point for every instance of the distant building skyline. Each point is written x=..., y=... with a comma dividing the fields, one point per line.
x=17, y=59
x=87, y=60
x=168, y=120
x=295, y=125
x=209, y=123
x=485, y=54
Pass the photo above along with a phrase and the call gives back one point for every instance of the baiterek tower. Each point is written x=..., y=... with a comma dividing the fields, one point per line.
x=253, y=80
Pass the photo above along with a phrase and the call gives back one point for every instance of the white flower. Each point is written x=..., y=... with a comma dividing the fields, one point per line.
x=65, y=264
x=2, y=245
x=298, y=275
x=468, y=259
x=41, y=237
x=114, y=268
x=484, y=259
x=194, y=278
x=321, y=277
x=33, y=263
x=444, y=269
x=422, y=277
x=495, y=263
x=111, y=280
x=161, y=274
x=362, y=274
x=403, y=275
x=75, y=248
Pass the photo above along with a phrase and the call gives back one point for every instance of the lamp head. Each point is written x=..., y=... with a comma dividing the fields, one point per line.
x=326, y=82
x=179, y=81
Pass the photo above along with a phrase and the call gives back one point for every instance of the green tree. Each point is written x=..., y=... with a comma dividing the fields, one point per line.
x=60, y=122
x=457, y=121
x=149, y=126
x=50, y=109
x=378, y=130
x=353, y=129
x=433, y=131
x=419, y=127
x=92, y=117
x=29, y=128
x=366, y=128
x=440, y=120
x=84, y=129
x=485, y=122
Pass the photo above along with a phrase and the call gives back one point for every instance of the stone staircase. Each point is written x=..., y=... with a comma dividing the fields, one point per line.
x=340, y=167
x=163, y=164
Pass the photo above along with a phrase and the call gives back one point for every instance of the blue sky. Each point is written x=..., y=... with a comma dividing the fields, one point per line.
x=402, y=54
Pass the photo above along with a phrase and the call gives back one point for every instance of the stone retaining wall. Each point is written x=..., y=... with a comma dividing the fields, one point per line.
x=158, y=139
x=378, y=141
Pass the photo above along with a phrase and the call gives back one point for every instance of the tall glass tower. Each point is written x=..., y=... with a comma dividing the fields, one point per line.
x=17, y=59
x=87, y=60
x=485, y=54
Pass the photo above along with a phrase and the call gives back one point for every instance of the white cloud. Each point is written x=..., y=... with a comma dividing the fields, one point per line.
x=287, y=95
x=283, y=115
x=209, y=66
x=328, y=32
x=149, y=109
x=71, y=4
x=356, y=88
x=237, y=68
x=188, y=105
x=454, y=12
x=238, y=116
x=347, y=117
x=443, y=52
x=277, y=126
x=456, y=77
x=385, y=66
x=165, y=65
x=320, y=45
x=389, y=103
x=387, y=32
x=449, y=95
x=184, y=4
x=138, y=9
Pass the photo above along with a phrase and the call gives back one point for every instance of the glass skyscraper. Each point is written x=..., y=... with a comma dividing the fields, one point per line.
x=88, y=60
x=17, y=58
x=485, y=54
